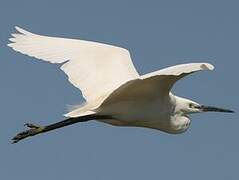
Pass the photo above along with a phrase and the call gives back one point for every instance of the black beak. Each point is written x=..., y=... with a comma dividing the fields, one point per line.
x=214, y=109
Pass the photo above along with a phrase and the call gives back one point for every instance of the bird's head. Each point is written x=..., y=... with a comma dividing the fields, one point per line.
x=186, y=106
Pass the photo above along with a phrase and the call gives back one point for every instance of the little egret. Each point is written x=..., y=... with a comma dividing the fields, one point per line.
x=114, y=92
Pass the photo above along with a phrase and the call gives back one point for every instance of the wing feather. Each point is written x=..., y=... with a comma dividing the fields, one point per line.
x=96, y=69
x=154, y=85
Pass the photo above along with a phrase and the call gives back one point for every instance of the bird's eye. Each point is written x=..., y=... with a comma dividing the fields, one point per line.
x=191, y=105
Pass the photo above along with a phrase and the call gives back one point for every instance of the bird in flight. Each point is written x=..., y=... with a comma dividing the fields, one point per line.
x=114, y=91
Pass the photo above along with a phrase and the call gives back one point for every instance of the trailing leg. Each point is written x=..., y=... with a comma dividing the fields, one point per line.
x=36, y=129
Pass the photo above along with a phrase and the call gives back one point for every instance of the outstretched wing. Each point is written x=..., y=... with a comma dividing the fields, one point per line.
x=165, y=78
x=96, y=69
x=155, y=84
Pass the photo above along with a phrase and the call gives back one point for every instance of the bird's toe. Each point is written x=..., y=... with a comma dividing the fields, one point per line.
x=34, y=129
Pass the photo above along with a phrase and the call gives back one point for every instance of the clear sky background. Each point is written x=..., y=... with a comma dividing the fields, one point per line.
x=158, y=34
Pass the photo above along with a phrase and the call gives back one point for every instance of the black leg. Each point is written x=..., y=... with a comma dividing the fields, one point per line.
x=35, y=129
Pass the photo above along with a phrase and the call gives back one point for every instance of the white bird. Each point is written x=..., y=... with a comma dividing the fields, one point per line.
x=114, y=92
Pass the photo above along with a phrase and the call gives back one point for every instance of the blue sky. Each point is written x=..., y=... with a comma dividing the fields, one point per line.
x=158, y=34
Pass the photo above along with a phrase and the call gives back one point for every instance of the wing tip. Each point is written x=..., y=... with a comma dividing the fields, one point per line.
x=10, y=45
x=22, y=31
x=207, y=66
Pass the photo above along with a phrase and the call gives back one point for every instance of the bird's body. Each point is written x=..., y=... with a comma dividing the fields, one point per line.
x=114, y=91
x=155, y=114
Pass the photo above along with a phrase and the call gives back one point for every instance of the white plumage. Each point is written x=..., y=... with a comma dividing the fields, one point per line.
x=110, y=84
x=87, y=64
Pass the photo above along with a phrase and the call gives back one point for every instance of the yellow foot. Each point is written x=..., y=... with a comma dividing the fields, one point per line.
x=34, y=129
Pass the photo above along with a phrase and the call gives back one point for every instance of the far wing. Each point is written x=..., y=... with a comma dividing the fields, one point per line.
x=155, y=84
x=96, y=69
